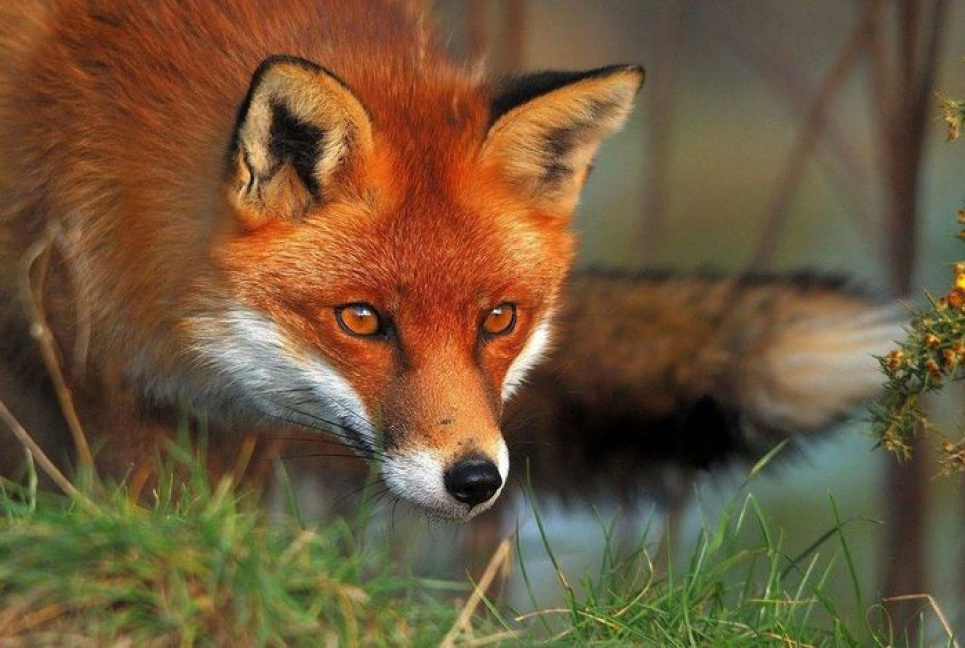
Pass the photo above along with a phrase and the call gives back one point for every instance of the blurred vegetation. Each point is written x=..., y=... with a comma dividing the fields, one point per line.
x=954, y=116
x=929, y=359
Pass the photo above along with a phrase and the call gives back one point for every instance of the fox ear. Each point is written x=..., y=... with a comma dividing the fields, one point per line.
x=546, y=127
x=297, y=129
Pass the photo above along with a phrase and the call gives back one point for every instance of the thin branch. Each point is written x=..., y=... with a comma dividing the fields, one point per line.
x=46, y=465
x=855, y=204
x=804, y=143
x=926, y=73
x=780, y=69
x=901, y=115
x=40, y=331
x=882, y=89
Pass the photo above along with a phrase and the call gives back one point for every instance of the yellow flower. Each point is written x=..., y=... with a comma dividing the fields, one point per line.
x=895, y=359
x=950, y=358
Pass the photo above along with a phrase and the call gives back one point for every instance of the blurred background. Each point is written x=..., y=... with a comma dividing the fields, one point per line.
x=770, y=136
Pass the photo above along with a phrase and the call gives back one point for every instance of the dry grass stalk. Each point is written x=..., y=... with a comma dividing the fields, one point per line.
x=942, y=619
x=500, y=561
x=38, y=455
x=38, y=254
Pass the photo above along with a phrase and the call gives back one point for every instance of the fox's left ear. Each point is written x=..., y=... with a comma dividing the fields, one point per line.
x=546, y=127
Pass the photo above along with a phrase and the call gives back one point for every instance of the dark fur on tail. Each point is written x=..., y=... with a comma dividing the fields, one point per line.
x=655, y=377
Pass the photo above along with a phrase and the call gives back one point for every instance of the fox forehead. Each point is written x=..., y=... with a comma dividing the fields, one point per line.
x=427, y=248
x=472, y=248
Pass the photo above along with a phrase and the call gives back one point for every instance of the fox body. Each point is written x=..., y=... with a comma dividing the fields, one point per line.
x=304, y=213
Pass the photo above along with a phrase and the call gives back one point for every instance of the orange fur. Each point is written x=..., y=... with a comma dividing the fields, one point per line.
x=118, y=118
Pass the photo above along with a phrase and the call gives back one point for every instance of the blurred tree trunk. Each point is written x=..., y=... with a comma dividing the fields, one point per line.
x=477, y=32
x=506, y=48
x=901, y=93
x=516, y=26
x=662, y=97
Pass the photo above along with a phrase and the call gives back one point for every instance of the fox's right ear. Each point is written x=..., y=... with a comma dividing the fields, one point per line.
x=297, y=130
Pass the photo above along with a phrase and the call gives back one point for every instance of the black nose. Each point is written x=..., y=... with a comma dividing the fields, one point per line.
x=473, y=480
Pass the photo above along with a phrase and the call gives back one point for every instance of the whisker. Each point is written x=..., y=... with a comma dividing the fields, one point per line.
x=311, y=417
x=395, y=506
x=356, y=491
x=319, y=419
x=308, y=439
x=306, y=401
x=367, y=451
x=367, y=424
x=319, y=455
x=308, y=389
x=531, y=443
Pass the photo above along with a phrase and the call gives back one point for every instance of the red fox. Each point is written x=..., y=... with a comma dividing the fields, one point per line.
x=297, y=212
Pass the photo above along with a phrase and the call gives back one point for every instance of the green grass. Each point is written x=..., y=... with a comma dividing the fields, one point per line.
x=724, y=594
x=201, y=564
x=738, y=586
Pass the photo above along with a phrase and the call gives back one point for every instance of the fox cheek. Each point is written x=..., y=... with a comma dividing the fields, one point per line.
x=535, y=349
x=255, y=361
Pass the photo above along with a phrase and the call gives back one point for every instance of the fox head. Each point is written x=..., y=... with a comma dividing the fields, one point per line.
x=394, y=258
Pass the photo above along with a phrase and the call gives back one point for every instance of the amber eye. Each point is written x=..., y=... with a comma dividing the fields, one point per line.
x=500, y=320
x=359, y=319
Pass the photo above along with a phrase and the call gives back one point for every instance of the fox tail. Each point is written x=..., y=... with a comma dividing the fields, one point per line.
x=656, y=376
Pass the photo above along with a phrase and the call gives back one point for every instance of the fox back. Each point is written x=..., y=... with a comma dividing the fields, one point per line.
x=298, y=213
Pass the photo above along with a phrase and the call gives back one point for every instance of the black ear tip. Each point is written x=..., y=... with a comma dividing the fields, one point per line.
x=511, y=92
x=613, y=70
